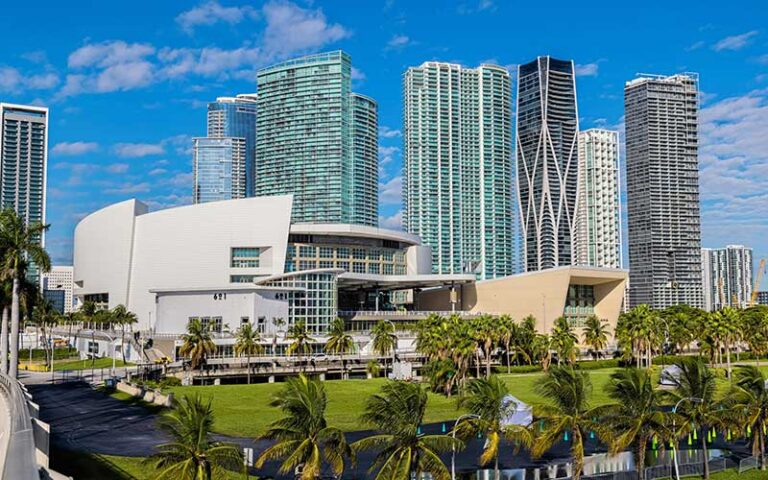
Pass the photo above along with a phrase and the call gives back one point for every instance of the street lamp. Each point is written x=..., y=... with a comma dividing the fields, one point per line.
x=453, y=444
x=674, y=447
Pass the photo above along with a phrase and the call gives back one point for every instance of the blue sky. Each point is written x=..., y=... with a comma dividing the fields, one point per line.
x=127, y=82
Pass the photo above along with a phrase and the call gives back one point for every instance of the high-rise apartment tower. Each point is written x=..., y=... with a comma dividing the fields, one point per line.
x=457, y=173
x=726, y=276
x=663, y=190
x=598, y=217
x=547, y=161
x=315, y=140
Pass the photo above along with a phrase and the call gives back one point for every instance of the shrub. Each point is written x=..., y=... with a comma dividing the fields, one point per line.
x=168, y=382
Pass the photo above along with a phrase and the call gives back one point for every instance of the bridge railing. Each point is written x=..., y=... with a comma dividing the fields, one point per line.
x=19, y=454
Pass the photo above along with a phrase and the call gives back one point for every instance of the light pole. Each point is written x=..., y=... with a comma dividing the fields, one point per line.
x=453, y=443
x=674, y=447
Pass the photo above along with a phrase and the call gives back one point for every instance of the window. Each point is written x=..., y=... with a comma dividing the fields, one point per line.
x=358, y=254
x=307, y=265
x=216, y=324
x=261, y=324
x=342, y=252
x=343, y=265
x=241, y=278
x=245, y=257
x=244, y=320
x=373, y=268
x=307, y=251
x=326, y=252
x=326, y=263
x=358, y=267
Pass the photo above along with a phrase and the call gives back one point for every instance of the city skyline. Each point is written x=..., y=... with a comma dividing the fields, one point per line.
x=119, y=160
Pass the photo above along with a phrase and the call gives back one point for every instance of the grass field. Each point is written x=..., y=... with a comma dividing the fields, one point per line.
x=86, y=364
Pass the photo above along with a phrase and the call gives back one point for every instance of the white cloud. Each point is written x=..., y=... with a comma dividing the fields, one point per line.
x=109, y=66
x=386, y=132
x=10, y=79
x=587, y=69
x=74, y=148
x=387, y=154
x=208, y=62
x=138, y=149
x=398, y=41
x=117, y=168
x=393, y=222
x=157, y=171
x=128, y=188
x=733, y=164
x=291, y=29
x=109, y=53
x=211, y=13
x=695, y=46
x=479, y=6
x=735, y=42
x=13, y=80
x=390, y=193
x=357, y=74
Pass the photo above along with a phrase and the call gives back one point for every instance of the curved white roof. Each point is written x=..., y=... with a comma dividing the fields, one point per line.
x=350, y=230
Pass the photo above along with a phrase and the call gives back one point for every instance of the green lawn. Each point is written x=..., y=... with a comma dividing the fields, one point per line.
x=86, y=364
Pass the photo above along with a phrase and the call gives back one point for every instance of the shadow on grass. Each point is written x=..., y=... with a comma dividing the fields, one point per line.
x=88, y=466
x=131, y=400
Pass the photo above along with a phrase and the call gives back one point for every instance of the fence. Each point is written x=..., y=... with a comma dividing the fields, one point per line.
x=685, y=469
x=749, y=463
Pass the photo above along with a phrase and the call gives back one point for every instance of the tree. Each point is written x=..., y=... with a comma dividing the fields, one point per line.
x=300, y=340
x=19, y=242
x=728, y=322
x=635, y=416
x=487, y=334
x=596, y=334
x=638, y=332
x=197, y=343
x=402, y=451
x=487, y=399
x=247, y=343
x=748, y=400
x=383, y=340
x=694, y=389
x=339, y=340
x=754, y=321
x=46, y=318
x=192, y=454
x=123, y=317
x=526, y=336
x=508, y=336
x=567, y=413
x=302, y=437
x=564, y=340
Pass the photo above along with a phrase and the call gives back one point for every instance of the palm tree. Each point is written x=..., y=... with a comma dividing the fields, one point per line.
x=526, y=336
x=192, y=454
x=5, y=301
x=694, y=389
x=302, y=437
x=755, y=325
x=636, y=415
x=748, y=400
x=19, y=242
x=383, y=340
x=46, y=318
x=339, y=340
x=564, y=340
x=123, y=317
x=487, y=333
x=247, y=343
x=596, y=334
x=509, y=333
x=567, y=390
x=196, y=343
x=728, y=321
x=402, y=451
x=300, y=340
x=487, y=399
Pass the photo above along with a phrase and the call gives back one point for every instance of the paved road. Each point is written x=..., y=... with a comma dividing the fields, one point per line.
x=87, y=420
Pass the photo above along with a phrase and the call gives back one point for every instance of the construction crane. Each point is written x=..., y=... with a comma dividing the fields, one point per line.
x=760, y=271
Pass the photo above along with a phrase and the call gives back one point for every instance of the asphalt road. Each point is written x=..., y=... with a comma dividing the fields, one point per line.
x=87, y=420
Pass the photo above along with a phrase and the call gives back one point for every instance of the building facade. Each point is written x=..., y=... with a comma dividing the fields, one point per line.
x=547, y=161
x=220, y=171
x=663, y=212
x=24, y=163
x=225, y=160
x=726, y=277
x=308, y=144
x=60, y=281
x=457, y=174
x=762, y=298
x=598, y=216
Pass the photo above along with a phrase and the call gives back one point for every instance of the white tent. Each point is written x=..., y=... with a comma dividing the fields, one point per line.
x=669, y=376
x=519, y=412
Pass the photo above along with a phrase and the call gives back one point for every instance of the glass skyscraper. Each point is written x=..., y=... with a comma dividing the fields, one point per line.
x=229, y=149
x=663, y=212
x=726, y=277
x=24, y=163
x=457, y=175
x=547, y=161
x=219, y=168
x=310, y=144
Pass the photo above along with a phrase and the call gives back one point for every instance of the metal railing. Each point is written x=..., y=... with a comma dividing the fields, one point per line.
x=17, y=443
x=749, y=463
x=686, y=469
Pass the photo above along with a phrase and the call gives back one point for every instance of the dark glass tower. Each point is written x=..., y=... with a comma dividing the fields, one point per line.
x=547, y=161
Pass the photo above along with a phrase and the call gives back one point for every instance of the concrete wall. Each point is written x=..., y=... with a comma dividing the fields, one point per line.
x=174, y=309
x=541, y=294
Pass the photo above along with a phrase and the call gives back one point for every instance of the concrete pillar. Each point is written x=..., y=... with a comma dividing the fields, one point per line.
x=217, y=381
x=322, y=377
x=271, y=379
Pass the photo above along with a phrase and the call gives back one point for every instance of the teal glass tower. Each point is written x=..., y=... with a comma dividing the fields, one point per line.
x=457, y=183
x=315, y=139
